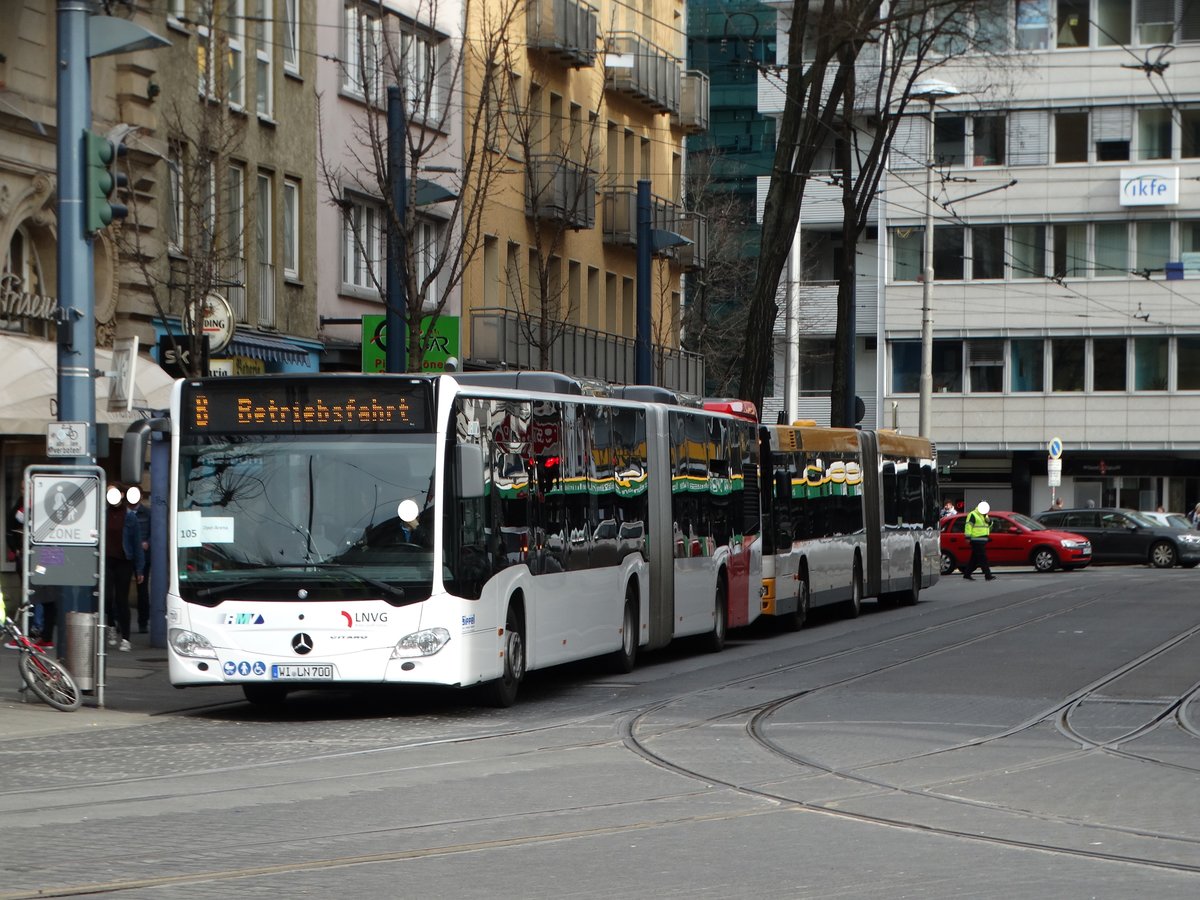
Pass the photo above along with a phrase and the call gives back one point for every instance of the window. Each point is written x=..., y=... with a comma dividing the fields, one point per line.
x=1033, y=24
x=263, y=87
x=363, y=232
x=1155, y=21
x=1150, y=355
x=1154, y=133
x=987, y=252
x=1108, y=364
x=1070, y=251
x=906, y=367
x=989, y=140
x=1153, y=247
x=1189, y=236
x=291, y=228
x=1112, y=249
x=1067, y=357
x=426, y=245
x=1028, y=359
x=235, y=212
x=207, y=212
x=947, y=366
x=1073, y=23
x=1071, y=137
x=1187, y=364
x=361, y=75
x=264, y=247
x=291, y=36
x=1114, y=22
x=950, y=140
x=1029, y=251
x=908, y=246
x=948, y=251
x=235, y=63
x=175, y=11
x=985, y=366
x=175, y=201
x=1189, y=138
x=418, y=60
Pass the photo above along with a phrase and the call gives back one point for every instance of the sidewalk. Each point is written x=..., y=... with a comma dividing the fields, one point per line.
x=136, y=688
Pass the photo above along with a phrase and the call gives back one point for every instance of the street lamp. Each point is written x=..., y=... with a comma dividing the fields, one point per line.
x=931, y=90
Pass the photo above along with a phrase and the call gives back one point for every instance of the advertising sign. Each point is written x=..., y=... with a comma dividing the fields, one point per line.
x=1157, y=186
x=439, y=346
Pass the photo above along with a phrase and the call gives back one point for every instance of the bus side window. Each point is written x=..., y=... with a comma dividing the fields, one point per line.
x=888, y=489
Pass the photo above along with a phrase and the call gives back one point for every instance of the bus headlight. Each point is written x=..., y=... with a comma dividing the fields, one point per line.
x=421, y=643
x=188, y=643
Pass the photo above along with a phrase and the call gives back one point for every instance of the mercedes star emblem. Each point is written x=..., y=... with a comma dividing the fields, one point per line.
x=302, y=643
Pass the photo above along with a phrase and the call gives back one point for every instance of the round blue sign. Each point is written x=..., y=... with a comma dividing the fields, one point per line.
x=1055, y=447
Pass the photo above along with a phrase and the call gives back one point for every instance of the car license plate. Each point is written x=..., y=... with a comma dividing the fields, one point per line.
x=1087, y=551
x=302, y=671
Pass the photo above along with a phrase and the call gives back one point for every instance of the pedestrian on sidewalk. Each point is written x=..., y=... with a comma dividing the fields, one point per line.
x=978, y=532
x=124, y=561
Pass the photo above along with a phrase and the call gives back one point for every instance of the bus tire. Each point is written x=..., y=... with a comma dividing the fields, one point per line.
x=714, y=641
x=268, y=696
x=852, y=607
x=795, y=620
x=912, y=596
x=623, y=660
x=502, y=692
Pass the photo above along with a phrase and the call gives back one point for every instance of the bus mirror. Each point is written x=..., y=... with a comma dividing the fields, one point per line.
x=133, y=448
x=468, y=460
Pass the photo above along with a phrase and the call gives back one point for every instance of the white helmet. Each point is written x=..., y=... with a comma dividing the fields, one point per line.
x=983, y=507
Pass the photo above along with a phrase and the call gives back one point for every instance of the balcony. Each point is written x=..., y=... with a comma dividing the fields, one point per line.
x=499, y=337
x=559, y=190
x=643, y=72
x=620, y=226
x=564, y=30
x=266, y=295
x=694, y=103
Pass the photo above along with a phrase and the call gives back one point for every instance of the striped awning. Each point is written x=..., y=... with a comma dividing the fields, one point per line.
x=266, y=348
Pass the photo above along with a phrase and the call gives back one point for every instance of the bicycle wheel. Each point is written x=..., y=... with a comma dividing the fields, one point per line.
x=50, y=681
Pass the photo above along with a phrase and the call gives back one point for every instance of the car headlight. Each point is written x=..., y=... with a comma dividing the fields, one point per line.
x=1190, y=538
x=421, y=643
x=188, y=643
x=1074, y=545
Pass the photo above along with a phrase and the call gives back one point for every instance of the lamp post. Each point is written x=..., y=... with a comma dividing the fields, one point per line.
x=931, y=90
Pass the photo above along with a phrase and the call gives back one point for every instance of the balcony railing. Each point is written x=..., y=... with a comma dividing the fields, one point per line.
x=694, y=103
x=620, y=226
x=642, y=71
x=266, y=295
x=500, y=337
x=563, y=29
x=231, y=282
x=559, y=190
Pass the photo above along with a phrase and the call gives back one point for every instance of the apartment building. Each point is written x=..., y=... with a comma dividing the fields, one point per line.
x=587, y=102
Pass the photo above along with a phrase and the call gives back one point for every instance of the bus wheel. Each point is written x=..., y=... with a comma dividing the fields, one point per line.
x=265, y=695
x=795, y=621
x=714, y=641
x=912, y=596
x=622, y=661
x=852, y=607
x=503, y=691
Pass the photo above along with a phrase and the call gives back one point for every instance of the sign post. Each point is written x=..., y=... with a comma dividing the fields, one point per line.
x=1054, y=466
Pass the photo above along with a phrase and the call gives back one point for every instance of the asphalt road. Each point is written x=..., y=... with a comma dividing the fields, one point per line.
x=1035, y=736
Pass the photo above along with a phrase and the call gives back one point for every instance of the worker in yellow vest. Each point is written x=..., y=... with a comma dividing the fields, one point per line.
x=978, y=532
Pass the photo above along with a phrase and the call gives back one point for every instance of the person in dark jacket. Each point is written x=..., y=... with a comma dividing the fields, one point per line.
x=124, y=560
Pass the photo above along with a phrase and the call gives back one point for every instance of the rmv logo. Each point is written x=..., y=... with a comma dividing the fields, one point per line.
x=244, y=619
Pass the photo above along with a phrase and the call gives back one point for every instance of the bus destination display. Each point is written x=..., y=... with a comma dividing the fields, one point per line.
x=334, y=407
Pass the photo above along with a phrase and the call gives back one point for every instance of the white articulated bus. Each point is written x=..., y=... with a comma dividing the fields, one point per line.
x=428, y=530
x=847, y=514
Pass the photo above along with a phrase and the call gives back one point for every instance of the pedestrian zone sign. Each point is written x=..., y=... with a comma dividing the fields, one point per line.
x=65, y=509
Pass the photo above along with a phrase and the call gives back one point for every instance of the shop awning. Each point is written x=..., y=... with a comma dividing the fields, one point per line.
x=29, y=387
x=266, y=348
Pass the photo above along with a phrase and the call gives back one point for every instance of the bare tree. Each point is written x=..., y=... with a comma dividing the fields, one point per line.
x=203, y=220
x=833, y=88
x=433, y=253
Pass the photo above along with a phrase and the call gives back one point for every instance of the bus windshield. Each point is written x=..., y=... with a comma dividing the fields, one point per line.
x=309, y=517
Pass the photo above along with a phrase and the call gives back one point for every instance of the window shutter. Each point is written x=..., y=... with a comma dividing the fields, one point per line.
x=1189, y=21
x=1029, y=137
x=1112, y=123
x=910, y=144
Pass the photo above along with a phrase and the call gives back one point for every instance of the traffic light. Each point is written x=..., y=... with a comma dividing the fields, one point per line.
x=101, y=181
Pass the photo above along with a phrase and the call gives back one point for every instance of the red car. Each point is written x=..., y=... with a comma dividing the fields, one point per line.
x=1017, y=540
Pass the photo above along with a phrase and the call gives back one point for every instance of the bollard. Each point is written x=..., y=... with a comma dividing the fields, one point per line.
x=81, y=648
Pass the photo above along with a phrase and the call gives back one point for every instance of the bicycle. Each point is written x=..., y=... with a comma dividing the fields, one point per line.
x=46, y=677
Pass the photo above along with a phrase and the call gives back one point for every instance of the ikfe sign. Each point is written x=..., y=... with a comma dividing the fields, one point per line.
x=1149, y=187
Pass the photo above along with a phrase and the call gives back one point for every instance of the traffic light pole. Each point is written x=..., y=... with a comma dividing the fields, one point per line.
x=76, y=303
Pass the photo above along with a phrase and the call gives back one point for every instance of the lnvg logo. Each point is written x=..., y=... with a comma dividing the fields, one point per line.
x=364, y=618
